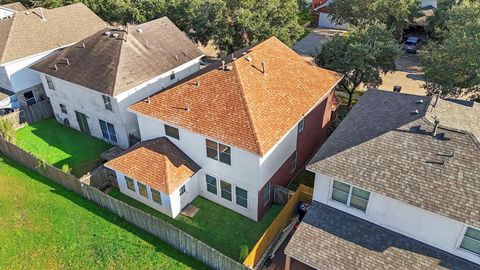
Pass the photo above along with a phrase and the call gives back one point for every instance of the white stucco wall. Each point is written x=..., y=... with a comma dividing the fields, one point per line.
x=324, y=21
x=243, y=171
x=425, y=226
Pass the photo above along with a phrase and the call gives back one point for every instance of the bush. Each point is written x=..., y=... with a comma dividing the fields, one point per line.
x=7, y=131
x=243, y=253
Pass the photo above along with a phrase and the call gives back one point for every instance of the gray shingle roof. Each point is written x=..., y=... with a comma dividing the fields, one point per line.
x=112, y=65
x=382, y=147
x=328, y=238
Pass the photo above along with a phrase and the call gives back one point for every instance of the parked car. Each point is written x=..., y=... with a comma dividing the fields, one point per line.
x=412, y=44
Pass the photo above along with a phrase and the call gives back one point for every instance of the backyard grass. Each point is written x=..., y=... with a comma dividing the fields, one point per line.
x=215, y=225
x=62, y=146
x=45, y=226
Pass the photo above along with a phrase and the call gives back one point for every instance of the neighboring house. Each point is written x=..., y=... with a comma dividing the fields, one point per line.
x=250, y=122
x=9, y=10
x=91, y=83
x=31, y=35
x=324, y=19
x=397, y=186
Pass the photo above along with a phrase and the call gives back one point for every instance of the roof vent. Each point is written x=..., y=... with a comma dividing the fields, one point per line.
x=83, y=45
x=249, y=59
x=229, y=68
x=264, y=68
x=108, y=33
x=139, y=30
x=66, y=61
x=435, y=127
x=420, y=101
x=414, y=112
x=115, y=35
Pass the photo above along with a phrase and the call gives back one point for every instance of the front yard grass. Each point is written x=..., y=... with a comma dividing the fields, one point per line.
x=62, y=146
x=215, y=225
x=45, y=226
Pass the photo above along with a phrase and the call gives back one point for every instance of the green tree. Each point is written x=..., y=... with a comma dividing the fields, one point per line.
x=7, y=130
x=362, y=56
x=395, y=14
x=452, y=67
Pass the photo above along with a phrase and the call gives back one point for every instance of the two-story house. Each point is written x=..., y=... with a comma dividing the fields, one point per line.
x=248, y=122
x=27, y=36
x=397, y=186
x=91, y=83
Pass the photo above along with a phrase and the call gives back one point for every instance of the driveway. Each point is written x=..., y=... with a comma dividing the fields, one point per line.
x=310, y=45
x=408, y=75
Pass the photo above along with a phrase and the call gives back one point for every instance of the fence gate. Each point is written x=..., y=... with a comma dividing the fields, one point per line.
x=281, y=195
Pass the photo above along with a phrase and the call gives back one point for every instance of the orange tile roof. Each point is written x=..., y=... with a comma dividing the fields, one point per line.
x=245, y=107
x=157, y=163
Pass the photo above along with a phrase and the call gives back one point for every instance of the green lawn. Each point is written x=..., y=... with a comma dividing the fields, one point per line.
x=215, y=225
x=45, y=226
x=59, y=145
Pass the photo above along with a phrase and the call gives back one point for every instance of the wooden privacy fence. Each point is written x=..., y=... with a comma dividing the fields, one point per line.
x=303, y=194
x=28, y=115
x=161, y=229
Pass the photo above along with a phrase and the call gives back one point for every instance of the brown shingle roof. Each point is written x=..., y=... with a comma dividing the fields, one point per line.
x=17, y=6
x=157, y=163
x=27, y=34
x=113, y=65
x=245, y=107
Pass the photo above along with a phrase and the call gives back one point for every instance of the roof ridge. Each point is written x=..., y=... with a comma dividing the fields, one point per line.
x=118, y=64
x=247, y=108
x=8, y=39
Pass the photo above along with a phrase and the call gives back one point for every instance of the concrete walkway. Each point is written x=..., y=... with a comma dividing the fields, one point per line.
x=309, y=46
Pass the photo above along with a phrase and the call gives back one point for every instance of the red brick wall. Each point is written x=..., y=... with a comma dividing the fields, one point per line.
x=314, y=134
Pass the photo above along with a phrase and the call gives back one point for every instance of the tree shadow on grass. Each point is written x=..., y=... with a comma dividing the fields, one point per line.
x=106, y=215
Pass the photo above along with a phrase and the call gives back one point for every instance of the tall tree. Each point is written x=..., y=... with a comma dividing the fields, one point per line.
x=362, y=56
x=395, y=14
x=452, y=67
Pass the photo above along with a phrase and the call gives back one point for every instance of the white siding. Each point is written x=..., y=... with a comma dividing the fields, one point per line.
x=243, y=171
x=5, y=12
x=324, y=21
x=428, y=227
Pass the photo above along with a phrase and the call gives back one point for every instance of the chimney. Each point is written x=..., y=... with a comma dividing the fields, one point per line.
x=43, y=15
x=264, y=68
x=435, y=127
x=223, y=65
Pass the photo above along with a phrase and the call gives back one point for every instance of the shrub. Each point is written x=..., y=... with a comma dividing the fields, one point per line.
x=7, y=131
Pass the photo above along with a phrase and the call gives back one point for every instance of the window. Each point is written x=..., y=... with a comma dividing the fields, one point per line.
x=471, y=241
x=301, y=125
x=142, y=189
x=130, y=184
x=226, y=190
x=350, y=196
x=182, y=190
x=242, y=196
x=219, y=152
x=172, y=76
x=108, y=131
x=63, y=108
x=107, y=103
x=156, y=197
x=29, y=98
x=266, y=194
x=50, y=82
x=211, y=184
x=293, y=162
x=172, y=132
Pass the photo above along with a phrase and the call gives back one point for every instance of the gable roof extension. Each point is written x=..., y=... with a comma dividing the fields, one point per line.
x=240, y=105
x=384, y=146
x=16, y=6
x=114, y=63
x=28, y=34
x=157, y=163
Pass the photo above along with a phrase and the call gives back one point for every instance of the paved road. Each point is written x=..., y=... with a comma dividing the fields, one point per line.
x=408, y=75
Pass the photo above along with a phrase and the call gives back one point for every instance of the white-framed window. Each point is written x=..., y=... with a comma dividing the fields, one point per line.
x=350, y=196
x=130, y=183
x=266, y=193
x=142, y=189
x=301, y=125
x=50, y=82
x=219, y=152
x=63, y=108
x=241, y=196
x=172, y=132
x=107, y=103
x=156, y=196
x=471, y=241
x=226, y=190
x=182, y=190
x=211, y=184
x=108, y=131
x=293, y=162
